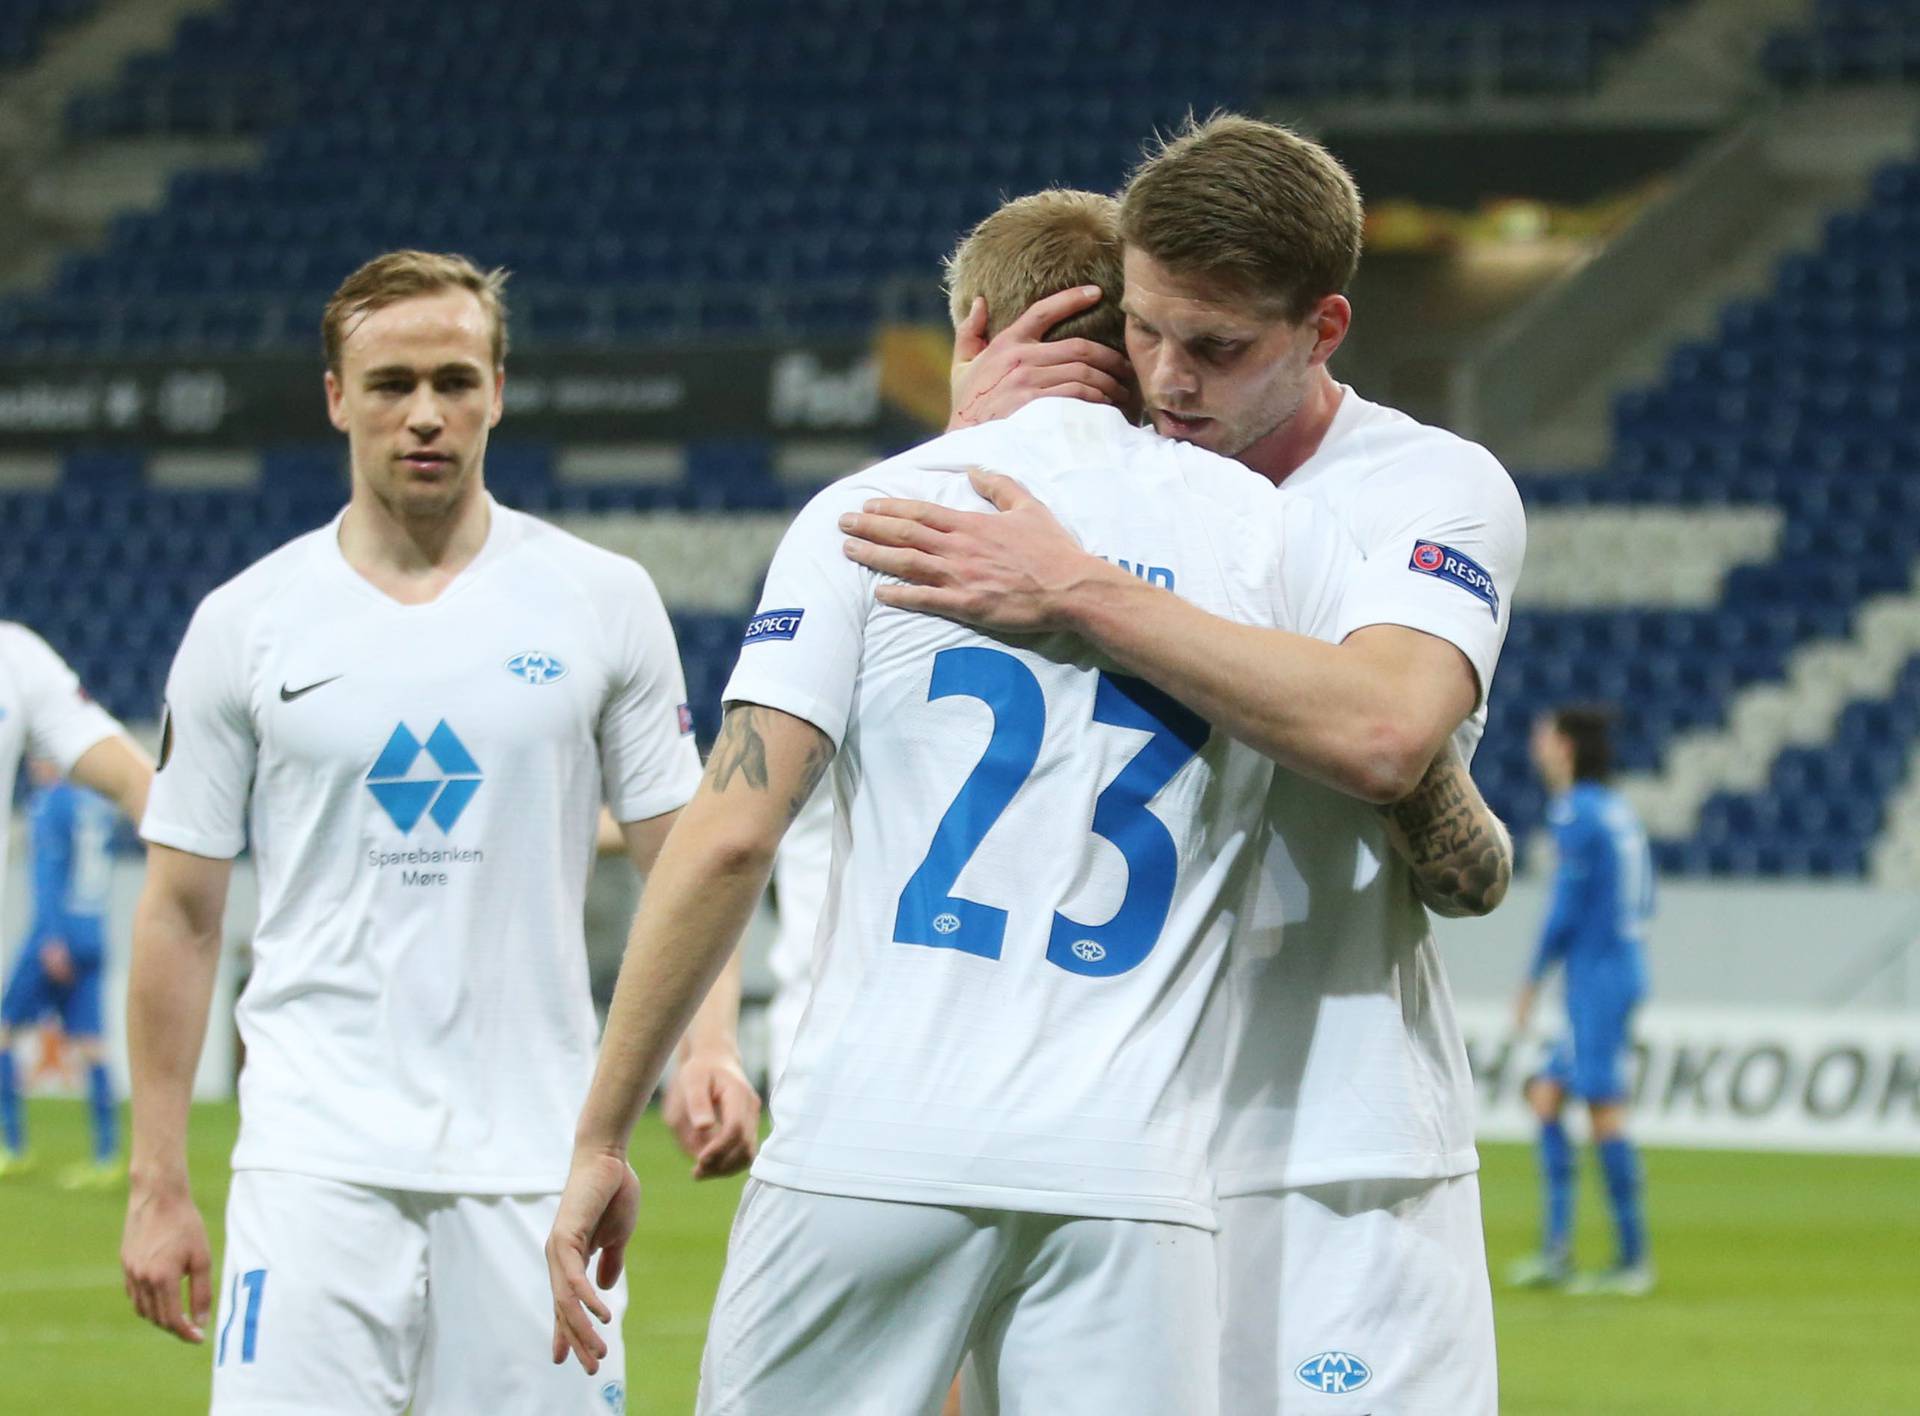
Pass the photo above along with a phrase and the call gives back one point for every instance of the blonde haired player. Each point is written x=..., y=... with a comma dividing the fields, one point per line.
x=992, y=1134
x=1353, y=1259
x=413, y=715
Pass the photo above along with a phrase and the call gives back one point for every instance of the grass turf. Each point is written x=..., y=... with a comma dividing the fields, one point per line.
x=1788, y=1284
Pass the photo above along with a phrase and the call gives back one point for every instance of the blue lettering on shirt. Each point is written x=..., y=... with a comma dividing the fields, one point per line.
x=1159, y=575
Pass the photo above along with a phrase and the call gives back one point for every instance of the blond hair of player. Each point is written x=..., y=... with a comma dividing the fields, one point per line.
x=1348, y=1071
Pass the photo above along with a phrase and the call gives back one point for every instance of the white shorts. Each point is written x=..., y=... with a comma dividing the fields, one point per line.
x=344, y=1298
x=1364, y=1297
x=866, y=1307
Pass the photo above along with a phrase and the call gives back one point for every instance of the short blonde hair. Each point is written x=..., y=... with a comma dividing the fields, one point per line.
x=1038, y=245
x=402, y=275
x=1255, y=206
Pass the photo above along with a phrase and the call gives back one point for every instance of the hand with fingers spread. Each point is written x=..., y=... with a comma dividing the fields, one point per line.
x=1014, y=570
x=164, y=1242
x=992, y=378
x=714, y=1113
x=597, y=1214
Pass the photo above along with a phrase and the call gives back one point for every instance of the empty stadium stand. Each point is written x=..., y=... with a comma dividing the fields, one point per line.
x=1848, y=41
x=24, y=25
x=704, y=170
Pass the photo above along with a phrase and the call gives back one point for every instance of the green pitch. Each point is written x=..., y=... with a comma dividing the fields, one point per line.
x=1788, y=1284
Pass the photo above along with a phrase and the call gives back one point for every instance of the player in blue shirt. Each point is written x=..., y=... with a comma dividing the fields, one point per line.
x=1602, y=899
x=62, y=964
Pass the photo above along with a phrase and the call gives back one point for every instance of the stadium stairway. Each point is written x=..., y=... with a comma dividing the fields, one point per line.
x=58, y=192
x=1895, y=859
x=1732, y=215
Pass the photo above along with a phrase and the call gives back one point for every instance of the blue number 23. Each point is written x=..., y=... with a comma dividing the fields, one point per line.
x=930, y=914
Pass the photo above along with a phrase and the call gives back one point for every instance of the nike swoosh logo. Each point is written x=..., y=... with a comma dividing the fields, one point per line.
x=287, y=695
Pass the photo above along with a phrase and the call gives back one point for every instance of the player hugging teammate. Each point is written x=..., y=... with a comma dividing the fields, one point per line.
x=1125, y=943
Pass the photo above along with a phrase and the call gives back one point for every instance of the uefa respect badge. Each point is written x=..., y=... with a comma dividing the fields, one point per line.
x=1445, y=563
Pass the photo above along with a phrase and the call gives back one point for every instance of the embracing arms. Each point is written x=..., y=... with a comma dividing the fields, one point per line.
x=1366, y=716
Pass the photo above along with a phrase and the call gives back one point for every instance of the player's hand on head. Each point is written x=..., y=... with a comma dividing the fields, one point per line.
x=714, y=1113
x=163, y=1244
x=596, y=1215
x=992, y=378
x=1012, y=569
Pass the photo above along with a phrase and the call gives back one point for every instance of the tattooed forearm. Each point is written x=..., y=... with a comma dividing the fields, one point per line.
x=739, y=750
x=1460, y=854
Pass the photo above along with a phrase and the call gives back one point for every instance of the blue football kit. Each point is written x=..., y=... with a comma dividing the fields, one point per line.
x=1602, y=900
x=1595, y=930
x=70, y=834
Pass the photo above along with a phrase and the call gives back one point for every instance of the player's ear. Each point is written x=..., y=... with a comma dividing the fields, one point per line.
x=499, y=396
x=336, y=401
x=1329, y=319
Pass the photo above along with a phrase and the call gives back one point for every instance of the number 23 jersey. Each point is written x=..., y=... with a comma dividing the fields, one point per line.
x=1036, y=859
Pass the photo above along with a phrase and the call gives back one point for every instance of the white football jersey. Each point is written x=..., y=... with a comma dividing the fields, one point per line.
x=1347, y=1062
x=1036, y=860
x=43, y=713
x=421, y=785
x=800, y=872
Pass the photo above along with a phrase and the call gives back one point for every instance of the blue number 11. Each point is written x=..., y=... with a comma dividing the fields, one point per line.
x=254, y=1281
x=930, y=914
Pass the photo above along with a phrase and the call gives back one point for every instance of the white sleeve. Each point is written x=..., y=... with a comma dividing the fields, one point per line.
x=208, y=746
x=1314, y=565
x=61, y=721
x=1443, y=540
x=801, y=652
x=648, y=763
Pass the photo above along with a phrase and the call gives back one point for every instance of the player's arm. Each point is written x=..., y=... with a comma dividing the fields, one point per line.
x=50, y=856
x=1568, y=907
x=1460, y=852
x=176, y=951
x=700, y=895
x=710, y=1105
x=120, y=770
x=1366, y=716
x=67, y=728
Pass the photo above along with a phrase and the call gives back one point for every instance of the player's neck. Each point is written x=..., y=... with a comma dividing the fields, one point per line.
x=409, y=558
x=1282, y=452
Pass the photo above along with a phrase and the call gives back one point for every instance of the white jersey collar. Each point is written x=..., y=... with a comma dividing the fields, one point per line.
x=1347, y=420
x=503, y=533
